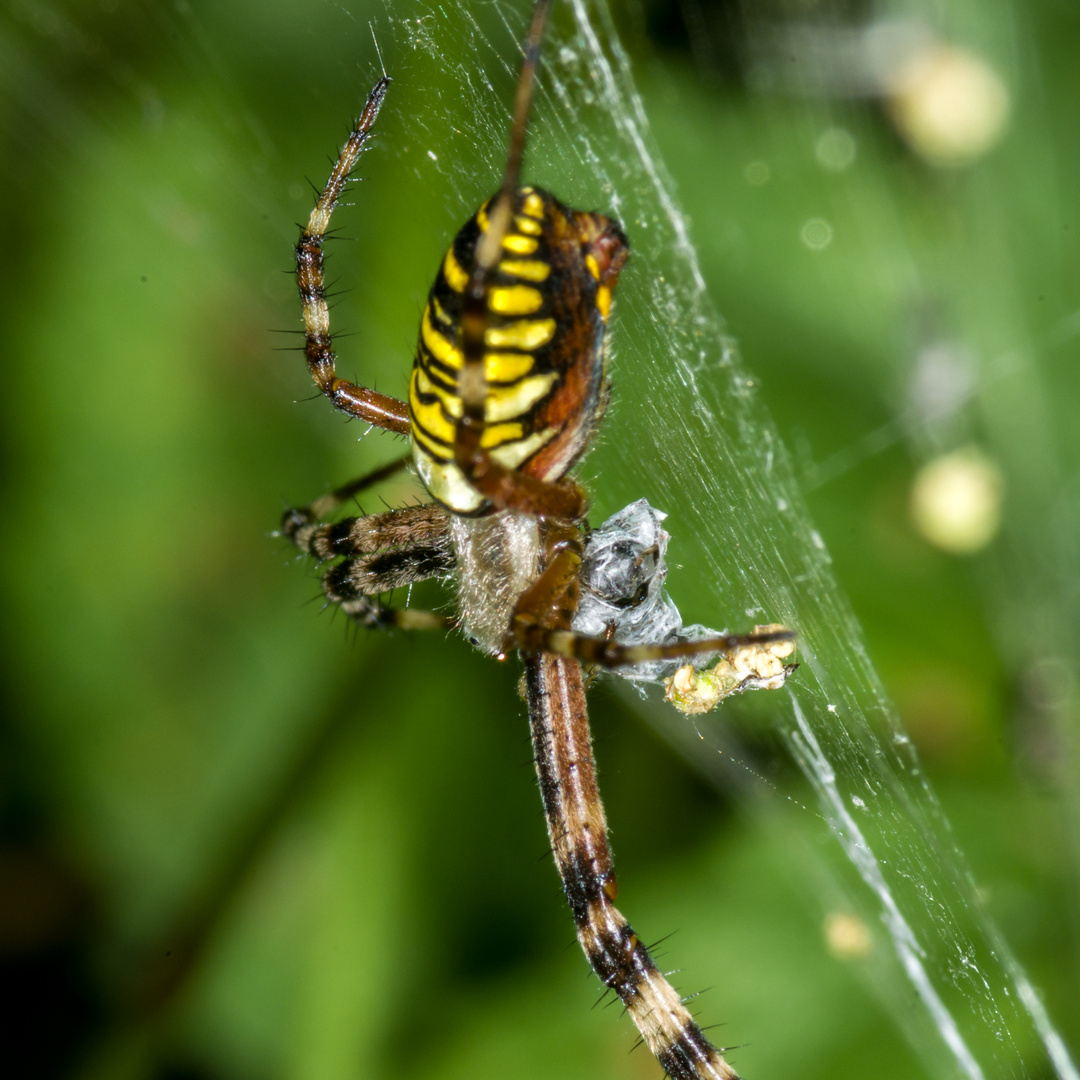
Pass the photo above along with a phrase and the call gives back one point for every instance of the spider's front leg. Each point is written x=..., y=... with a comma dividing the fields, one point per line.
x=368, y=405
x=604, y=652
x=542, y=617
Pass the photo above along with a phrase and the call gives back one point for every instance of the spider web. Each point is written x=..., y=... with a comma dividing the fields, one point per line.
x=739, y=523
x=131, y=134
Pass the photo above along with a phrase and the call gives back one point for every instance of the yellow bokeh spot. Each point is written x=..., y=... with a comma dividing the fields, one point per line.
x=847, y=936
x=949, y=104
x=956, y=501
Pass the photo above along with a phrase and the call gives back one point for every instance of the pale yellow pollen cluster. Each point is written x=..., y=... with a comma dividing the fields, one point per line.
x=750, y=667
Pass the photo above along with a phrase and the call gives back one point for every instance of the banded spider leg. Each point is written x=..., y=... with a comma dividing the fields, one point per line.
x=380, y=552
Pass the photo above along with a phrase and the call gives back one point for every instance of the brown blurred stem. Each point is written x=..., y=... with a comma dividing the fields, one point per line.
x=144, y=992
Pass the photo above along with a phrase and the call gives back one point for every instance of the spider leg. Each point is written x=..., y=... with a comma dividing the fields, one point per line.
x=487, y=253
x=611, y=654
x=355, y=585
x=543, y=613
x=298, y=518
x=368, y=405
x=577, y=829
x=415, y=526
x=552, y=599
x=382, y=552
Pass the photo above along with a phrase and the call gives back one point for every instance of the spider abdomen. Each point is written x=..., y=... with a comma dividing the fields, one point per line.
x=548, y=299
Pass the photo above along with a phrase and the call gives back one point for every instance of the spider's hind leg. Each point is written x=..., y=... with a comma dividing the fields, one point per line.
x=356, y=584
x=297, y=520
x=380, y=552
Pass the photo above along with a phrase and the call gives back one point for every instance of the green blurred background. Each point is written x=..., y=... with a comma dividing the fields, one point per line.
x=240, y=840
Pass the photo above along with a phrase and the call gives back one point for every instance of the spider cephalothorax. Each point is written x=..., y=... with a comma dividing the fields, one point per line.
x=507, y=388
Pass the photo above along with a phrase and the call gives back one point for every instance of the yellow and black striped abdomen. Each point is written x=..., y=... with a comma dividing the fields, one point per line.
x=547, y=304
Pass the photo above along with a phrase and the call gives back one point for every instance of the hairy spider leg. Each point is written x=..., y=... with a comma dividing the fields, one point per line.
x=577, y=829
x=380, y=552
x=574, y=810
x=298, y=517
x=368, y=405
x=356, y=584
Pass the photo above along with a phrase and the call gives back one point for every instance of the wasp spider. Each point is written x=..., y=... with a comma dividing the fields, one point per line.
x=507, y=389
